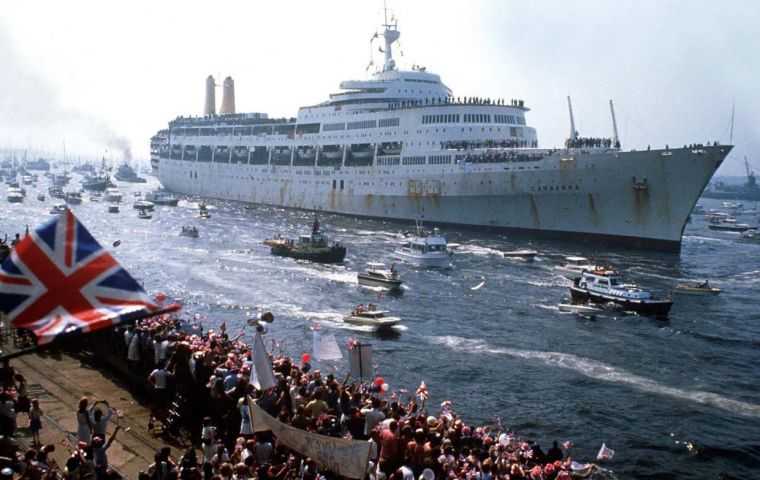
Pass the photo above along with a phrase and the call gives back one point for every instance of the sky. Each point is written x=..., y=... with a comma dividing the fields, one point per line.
x=102, y=77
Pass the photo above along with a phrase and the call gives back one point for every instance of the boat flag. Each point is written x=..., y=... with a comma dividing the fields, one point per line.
x=605, y=453
x=60, y=280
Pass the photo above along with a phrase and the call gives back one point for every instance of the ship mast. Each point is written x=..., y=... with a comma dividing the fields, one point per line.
x=573, y=133
x=391, y=34
x=615, y=138
x=731, y=132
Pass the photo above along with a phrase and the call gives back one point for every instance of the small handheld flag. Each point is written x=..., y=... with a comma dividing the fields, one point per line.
x=59, y=280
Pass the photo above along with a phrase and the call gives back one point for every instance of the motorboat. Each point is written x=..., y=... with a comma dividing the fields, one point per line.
x=371, y=317
x=583, y=310
x=573, y=267
x=377, y=275
x=144, y=215
x=143, y=205
x=733, y=205
x=112, y=195
x=315, y=247
x=41, y=197
x=203, y=211
x=58, y=209
x=750, y=235
x=698, y=209
x=114, y=208
x=73, y=198
x=425, y=249
x=15, y=195
x=527, y=255
x=603, y=286
x=702, y=288
x=56, y=192
x=163, y=199
x=95, y=197
x=190, y=231
x=730, y=225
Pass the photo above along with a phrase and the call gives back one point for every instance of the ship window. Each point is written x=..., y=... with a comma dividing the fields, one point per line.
x=333, y=184
x=341, y=184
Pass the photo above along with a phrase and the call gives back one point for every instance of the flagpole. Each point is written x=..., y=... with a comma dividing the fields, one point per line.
x=68, y=336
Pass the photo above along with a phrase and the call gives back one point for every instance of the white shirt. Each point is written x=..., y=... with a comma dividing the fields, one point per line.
x=160, y=376
x=371, y=418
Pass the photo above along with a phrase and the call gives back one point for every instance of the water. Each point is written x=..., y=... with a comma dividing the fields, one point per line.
x=678, y=398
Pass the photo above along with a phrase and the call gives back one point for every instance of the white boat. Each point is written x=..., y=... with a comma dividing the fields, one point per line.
x=730, y=225
x=377, y=319
x=572, y=267
x=15, y=195
x=144, y=215
x=579, y=309
x=112, y=195
x=113, y=208
x=143, y=205
x=527, y=255
x=377, y=275
x=702, y=289
x=58, y=209
x=732, y=205
x=604, y=286
x=750, y=235
x=426, y=250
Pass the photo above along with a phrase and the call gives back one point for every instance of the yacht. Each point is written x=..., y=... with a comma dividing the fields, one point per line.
x=370, y=317
x=15, y=195
x=427, y=250
x=604, y=286
x=572, y=267
x=377, y=275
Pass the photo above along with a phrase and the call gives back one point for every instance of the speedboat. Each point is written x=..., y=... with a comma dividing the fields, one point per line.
x=58, y=209
x=377, y=275
x=113, y=208
x=579, y=309
x=112, y=195
x=143, y=205
x=428, y=250
x=15, y=195
x=603, y=286
x=144, y=215
x=377, y=319
x=703, y=289
x=190, y=231
x=527, y=255
x=573, y=267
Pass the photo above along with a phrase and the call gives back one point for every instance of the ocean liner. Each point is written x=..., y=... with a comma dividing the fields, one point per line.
x=400, y=145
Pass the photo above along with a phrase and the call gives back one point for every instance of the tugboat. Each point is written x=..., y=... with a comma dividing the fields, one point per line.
x=371, y=317
x=190, y=231
x=377, y=275
x=126, y=173
x=314, y=247
x=604, y=286
x=428, y=250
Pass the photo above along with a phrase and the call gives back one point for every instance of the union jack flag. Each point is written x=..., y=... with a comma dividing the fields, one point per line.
x=422, y=392
x=60, y=280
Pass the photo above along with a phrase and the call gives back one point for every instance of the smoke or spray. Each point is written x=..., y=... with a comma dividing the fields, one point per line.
x=30, y=107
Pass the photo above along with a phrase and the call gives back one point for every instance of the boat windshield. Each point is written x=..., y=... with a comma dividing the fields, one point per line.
x=614, y=281
x=436, y=248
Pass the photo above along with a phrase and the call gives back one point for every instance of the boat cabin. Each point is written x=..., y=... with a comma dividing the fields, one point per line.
x=610, y=283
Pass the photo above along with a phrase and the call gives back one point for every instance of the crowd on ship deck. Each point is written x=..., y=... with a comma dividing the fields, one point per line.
x=210, y=371
x=473, y=144
x=590, y=142
x=481, y=101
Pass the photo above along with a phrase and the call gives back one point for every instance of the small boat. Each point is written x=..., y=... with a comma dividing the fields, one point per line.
x=96, y=183
x=15, y=195
x=41, y=197
x=603, y=286
x=190, y=231
x=730, y=225
x=750, y=235
x=113, y=208
x=425, y=249
x=56, y=192
x=315, y=247
x=112, y=195
x=143, y=205
x=573, y=267
x=74, y=198
x=144, y=215
x=371, y=317
x=527, y=255
x=163, y=199
x=95, y=197
x=58, y=209
x=579, y=309
x=377, y=275
x=698, y=209
x=203, y=211
x=732, y=205
x=703, y=289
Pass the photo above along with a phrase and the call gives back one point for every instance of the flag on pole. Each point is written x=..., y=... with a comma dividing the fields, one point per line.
x=60, y=280
x=262, y=375
x=326, y=347
x=605, y=453
x=422, y=392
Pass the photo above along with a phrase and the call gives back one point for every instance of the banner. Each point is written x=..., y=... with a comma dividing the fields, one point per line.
x=344, y=457
x=360, y=361
x=262, y=375
x=326, y=348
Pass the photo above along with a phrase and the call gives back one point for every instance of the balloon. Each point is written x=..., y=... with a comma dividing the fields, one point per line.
x=305, y=358
x=384, y=387
x=160, y=297
x=379, y=381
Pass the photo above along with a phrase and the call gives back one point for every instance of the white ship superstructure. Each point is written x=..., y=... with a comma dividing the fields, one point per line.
x=400, y=145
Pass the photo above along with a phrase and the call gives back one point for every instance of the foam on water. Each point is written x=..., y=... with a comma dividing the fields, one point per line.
x=604, y=372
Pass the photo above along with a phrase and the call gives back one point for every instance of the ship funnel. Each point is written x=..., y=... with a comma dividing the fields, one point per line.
x=228, y=96
x=210, y=106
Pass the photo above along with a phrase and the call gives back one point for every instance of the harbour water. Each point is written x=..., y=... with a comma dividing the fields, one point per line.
x=675, y=398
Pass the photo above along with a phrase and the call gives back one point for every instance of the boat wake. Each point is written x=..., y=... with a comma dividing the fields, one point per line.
x=604, y=372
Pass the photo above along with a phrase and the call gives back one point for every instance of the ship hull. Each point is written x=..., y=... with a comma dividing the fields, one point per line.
x=333, y=255
x=639, y=199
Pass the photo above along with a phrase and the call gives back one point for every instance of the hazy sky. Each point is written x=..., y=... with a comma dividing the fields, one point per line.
x=100, y=75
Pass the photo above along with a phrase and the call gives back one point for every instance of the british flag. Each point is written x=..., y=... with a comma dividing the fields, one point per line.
x=60, y=280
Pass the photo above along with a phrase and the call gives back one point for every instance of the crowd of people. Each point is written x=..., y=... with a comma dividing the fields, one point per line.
x=590, y=142
x=467, y=145
x=456, y=101
x=210, y=372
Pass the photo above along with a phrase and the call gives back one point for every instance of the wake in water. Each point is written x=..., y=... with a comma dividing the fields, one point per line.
x=604, y=372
